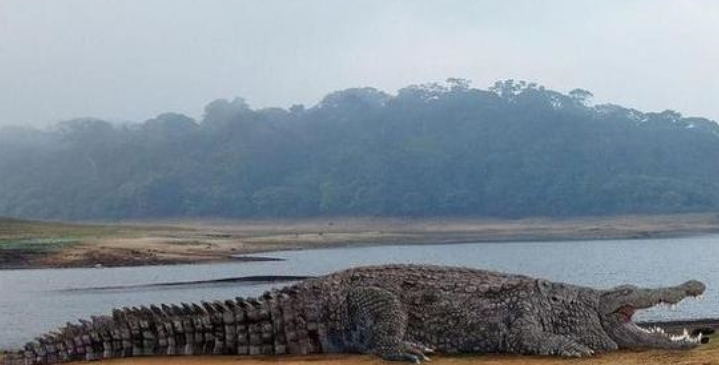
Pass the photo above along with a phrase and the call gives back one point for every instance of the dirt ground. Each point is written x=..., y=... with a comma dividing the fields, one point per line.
x=705, y=355
x=202, y=241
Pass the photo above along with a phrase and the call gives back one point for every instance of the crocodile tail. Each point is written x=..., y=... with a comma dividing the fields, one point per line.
x=270, y=324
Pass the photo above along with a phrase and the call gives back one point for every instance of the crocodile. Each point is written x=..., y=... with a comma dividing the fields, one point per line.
x=397, y=312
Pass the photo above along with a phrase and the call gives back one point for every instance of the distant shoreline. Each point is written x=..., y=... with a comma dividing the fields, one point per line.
x=37, y=245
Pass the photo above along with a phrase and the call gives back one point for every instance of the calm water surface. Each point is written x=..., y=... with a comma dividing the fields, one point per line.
x=35, y=301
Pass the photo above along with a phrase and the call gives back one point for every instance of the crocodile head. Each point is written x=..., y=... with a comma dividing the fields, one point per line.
x=618, y=305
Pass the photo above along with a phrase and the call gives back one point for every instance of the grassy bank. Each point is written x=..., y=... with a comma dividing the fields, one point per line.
x=28, y=244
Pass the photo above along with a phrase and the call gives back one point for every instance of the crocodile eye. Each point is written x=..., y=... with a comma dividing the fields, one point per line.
x=554, y=298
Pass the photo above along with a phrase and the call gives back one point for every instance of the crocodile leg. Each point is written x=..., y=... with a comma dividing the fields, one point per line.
x=378, y=324
x=530, y=339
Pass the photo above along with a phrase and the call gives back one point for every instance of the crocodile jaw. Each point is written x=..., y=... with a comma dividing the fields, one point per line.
x=619, y=305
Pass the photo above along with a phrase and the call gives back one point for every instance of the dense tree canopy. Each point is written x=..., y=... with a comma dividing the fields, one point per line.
x=514, y=150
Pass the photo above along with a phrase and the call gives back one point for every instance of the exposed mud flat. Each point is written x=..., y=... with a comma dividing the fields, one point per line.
x=203, y=241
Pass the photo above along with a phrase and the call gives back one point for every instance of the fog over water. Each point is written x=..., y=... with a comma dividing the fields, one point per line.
x=130, y=60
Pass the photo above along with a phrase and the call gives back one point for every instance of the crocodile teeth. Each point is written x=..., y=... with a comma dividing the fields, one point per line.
x=686, y=337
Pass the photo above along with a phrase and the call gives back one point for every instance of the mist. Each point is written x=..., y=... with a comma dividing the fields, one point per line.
x=131, y=60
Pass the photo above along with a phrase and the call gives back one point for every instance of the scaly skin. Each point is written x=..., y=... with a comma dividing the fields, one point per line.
x=398, y=312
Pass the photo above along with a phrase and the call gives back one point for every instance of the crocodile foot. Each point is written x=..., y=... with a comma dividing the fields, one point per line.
x=407, y=351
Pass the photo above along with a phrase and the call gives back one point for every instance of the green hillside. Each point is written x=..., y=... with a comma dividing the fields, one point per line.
x=513, y=150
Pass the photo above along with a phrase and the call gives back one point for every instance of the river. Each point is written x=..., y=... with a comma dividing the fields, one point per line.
x=35, y=301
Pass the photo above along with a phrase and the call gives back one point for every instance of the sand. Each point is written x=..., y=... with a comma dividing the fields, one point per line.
x=206, y=241
x=705, y=355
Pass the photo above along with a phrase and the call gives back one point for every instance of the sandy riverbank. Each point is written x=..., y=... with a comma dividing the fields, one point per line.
x=202, y=241
x=704, y=355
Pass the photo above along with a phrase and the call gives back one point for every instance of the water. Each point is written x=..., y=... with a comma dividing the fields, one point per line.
x=35, y=301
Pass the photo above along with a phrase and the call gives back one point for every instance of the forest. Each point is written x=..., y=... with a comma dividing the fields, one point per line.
x=513, y=150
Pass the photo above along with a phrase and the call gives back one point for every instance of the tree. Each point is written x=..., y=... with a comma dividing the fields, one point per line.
x=581, y=96
x=446, y=149
x=457, y=84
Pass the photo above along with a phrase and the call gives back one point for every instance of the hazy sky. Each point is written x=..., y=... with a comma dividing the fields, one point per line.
x=133, y=59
